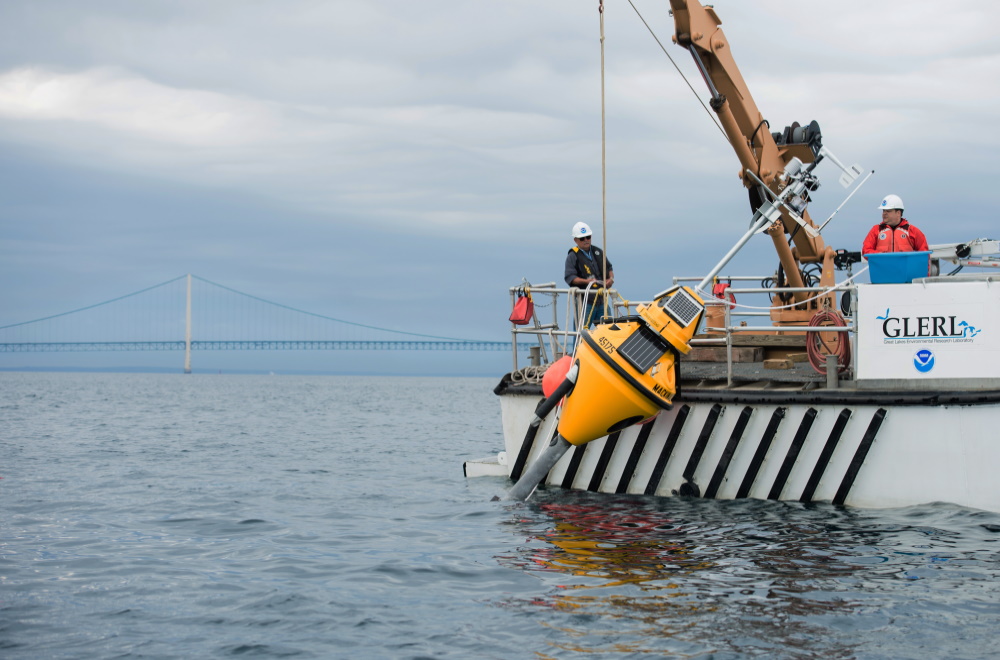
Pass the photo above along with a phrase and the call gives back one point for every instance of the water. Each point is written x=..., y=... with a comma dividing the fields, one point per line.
x=157, y=516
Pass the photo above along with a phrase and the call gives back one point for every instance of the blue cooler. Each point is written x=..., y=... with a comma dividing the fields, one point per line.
x=897, y=267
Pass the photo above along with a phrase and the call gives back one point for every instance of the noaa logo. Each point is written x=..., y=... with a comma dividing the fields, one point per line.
x=923, y=360
x=881, y=236
x=884, y=202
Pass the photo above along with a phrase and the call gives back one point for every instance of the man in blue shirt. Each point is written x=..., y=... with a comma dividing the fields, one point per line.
x=585, y=266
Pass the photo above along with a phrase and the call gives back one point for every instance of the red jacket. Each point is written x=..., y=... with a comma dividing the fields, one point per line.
x=904, y=237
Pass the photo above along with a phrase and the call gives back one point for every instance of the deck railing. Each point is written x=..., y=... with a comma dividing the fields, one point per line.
x=555, y=340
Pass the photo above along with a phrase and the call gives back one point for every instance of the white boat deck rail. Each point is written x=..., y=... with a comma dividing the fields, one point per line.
x=555, y=340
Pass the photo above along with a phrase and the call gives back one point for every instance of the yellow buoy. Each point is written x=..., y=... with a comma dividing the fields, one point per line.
x=628, y=368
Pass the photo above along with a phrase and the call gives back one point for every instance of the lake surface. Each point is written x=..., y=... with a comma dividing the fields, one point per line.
x=171, y=516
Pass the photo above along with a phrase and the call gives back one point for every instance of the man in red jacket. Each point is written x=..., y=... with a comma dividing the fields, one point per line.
x=894, y=233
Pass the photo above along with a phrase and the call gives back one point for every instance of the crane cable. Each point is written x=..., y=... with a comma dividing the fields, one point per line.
x=608, y=308
x=817, y=359
x=690, y=86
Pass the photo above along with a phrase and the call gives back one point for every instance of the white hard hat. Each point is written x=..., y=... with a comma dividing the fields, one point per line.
x=581, y=229
x=891, y=202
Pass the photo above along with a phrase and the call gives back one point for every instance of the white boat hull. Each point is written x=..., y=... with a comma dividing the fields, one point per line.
x=857, y=454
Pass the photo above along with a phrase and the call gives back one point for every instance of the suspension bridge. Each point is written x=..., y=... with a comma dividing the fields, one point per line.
x=170, y=315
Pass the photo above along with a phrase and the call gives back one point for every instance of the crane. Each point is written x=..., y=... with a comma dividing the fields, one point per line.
x=774, y=167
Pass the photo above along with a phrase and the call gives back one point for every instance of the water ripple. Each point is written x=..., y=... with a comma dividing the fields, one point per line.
x=151, y=516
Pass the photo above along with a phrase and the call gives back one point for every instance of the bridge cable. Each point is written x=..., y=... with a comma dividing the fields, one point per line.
x=83, y=309
x=328, y=318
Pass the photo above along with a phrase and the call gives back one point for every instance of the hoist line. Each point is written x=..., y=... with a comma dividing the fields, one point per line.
x=84, y=309
x=327, y=318
x=604, y=174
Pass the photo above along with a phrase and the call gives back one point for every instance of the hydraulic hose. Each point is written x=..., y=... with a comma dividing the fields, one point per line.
x=817, y=348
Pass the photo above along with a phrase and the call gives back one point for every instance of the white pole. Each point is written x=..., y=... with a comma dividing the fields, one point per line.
x=856, y=189
x=187, y=330
x=766, y=214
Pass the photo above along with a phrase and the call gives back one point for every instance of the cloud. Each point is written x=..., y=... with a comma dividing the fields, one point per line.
x=315, y=157
x=121, y=102
x=888, y=31
x=276, y=145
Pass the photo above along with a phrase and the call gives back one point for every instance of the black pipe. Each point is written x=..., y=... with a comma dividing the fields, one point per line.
x=543, y=408
x=546, y=406
x=530, y=479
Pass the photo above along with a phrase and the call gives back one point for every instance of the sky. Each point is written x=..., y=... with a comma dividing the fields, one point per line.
x=403, y=164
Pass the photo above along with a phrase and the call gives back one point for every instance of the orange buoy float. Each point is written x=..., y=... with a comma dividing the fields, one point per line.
x=556, y=374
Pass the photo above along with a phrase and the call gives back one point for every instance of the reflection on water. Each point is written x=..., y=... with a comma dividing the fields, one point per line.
x=615, y=544
x=630, y=575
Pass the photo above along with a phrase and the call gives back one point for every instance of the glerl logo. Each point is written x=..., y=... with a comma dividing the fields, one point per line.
x=928, y=327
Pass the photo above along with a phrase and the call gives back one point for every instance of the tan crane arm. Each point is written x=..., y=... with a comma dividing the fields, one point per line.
x=764, y=159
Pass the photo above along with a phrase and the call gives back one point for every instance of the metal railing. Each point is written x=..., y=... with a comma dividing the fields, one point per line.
x=553, y=340
x=557, y=341
x=728, y=328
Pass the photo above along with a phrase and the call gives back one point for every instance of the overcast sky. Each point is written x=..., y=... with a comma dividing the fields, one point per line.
x=402, y=164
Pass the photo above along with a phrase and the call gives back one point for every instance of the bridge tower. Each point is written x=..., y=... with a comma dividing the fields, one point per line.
x=187, y=329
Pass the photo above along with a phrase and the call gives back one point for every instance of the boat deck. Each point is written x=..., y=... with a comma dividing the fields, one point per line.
x=700, y=375
x=754, y=384
x=801, y=373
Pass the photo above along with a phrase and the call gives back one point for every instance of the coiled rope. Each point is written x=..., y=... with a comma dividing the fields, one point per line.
x=530, y=374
